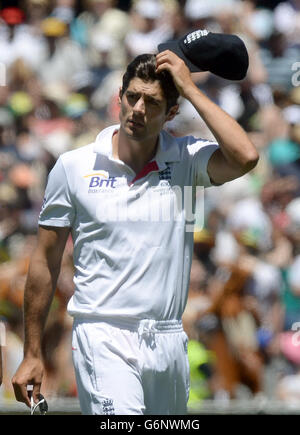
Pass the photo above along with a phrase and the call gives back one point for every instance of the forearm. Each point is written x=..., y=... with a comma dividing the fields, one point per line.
x=231, y=137
x=39, y=290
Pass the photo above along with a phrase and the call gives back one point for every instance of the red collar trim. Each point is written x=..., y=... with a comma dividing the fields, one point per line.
x=150, y=167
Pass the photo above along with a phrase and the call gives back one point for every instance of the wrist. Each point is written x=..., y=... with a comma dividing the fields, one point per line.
x=33, y=356
x=190, y=90
x=32, y=352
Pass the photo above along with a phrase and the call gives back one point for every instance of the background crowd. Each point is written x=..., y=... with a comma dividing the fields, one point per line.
x=61, y=63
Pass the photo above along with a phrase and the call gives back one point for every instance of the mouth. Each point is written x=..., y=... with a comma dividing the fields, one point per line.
x=136, y=124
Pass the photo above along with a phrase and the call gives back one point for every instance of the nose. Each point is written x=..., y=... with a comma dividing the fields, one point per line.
x=139, y=107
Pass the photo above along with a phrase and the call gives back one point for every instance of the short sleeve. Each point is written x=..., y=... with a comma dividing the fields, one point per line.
x=201, y=151
x=57, y=209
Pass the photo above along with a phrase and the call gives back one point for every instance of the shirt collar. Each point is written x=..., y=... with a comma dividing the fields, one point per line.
x=103, y=142
x=167, y=151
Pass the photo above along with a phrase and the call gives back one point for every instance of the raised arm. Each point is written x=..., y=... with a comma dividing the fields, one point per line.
x=237, y=155
x=39, y=290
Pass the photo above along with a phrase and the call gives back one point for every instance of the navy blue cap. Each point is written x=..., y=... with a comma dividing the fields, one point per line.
x=222, y=54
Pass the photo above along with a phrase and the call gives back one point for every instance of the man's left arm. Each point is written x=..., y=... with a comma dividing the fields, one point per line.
x=236, y=155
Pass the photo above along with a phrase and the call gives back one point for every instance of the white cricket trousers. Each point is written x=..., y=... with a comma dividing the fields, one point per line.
x=131, y=367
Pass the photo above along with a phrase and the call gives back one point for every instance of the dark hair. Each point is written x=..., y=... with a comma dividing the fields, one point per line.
x=144, y=67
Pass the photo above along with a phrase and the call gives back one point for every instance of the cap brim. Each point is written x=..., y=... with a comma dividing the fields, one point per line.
x=174, y=46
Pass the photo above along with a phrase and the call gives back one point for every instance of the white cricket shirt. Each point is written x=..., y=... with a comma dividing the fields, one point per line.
x=132, y=250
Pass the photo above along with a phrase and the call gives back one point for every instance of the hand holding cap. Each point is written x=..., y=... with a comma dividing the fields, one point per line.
x=222, y=54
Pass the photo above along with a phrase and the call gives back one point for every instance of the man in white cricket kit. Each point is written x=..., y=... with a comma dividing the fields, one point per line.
x=131, y=270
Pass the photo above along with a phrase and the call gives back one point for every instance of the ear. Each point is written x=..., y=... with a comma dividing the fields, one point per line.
x=172, y=112
x=120, y=95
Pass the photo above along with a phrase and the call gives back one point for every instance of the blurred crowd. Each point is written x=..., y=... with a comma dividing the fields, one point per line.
x=61, y=64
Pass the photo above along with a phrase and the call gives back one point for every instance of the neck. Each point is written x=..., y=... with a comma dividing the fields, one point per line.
x=135, y=154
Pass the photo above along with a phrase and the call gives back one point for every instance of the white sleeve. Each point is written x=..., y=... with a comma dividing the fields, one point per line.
x=57, y=209
x=201, y=151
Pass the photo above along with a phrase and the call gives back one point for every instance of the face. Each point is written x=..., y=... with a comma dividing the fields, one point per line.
x=143, y=110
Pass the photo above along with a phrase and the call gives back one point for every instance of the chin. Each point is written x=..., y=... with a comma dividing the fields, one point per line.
x=134, y=134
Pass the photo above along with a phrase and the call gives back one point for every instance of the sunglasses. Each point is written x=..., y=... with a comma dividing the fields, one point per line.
x=41, y=405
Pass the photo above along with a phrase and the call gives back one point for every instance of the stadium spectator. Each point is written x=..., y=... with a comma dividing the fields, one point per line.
x=284, y=153
x=65, y=60
x=150, y=28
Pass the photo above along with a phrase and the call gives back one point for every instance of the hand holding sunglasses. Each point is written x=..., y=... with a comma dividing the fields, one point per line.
x=41, y=406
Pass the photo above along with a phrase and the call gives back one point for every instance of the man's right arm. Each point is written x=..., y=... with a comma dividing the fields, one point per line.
x=39, y=290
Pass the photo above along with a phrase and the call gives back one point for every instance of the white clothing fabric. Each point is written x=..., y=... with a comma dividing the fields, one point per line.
x=226, y=248
x=289, y=389
x=67, y=65
x=138, y=42
x=268, y=283
x=131, y=260
x=266, y=286
x=131, y=368
x=24, y=45
x=249, y=214
x=287, y=20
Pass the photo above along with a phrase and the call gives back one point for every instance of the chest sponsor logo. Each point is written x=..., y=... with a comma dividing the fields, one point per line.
x=99, y=181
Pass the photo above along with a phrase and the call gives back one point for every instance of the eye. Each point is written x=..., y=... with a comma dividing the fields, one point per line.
x=153, y=102
x=131, y=96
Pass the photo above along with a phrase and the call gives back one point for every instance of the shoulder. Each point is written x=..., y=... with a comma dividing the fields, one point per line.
x=188, y=145
x=76, y=156
x=194, y=144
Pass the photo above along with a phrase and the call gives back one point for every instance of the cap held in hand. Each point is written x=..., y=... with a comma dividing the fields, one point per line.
x=222, y=54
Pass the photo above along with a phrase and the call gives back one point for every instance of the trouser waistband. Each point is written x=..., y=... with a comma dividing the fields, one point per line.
x=138, y=325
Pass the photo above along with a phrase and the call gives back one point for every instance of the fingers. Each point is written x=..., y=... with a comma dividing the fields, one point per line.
x=167, y=53
x=30, y=372
x=162, y=67
x=21, y=392
x=168, y=57
x=23, y=395
x=36, y=392
x=170, y=61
